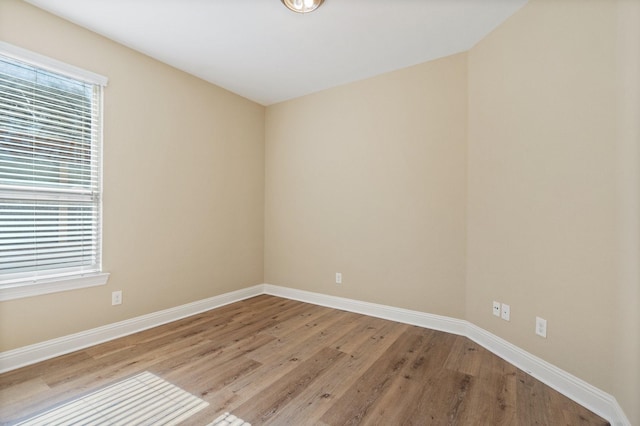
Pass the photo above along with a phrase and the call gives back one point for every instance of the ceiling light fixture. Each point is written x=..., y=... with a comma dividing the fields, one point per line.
x=302, y=6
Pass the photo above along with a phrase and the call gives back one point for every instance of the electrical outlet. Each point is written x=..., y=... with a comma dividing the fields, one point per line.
x=496, y=308
x=116, y=297
x=338, y=278
x=541, y=327
x=506, y=312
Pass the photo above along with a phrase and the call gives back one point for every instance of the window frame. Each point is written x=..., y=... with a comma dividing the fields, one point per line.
x=13, y=288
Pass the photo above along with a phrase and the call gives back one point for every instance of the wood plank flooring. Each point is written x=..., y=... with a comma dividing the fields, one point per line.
x=273, y=361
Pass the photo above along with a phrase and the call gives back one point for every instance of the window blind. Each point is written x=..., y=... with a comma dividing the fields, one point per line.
x=49, y=173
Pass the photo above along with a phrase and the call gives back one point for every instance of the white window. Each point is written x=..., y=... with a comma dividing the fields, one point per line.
x=50, y=175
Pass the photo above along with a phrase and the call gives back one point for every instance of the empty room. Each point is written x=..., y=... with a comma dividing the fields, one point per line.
x=308, y=212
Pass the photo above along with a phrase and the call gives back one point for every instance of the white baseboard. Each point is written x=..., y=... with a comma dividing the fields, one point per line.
x=406, y=316
x=578, y=390
x=594, y=399
x=16, y=358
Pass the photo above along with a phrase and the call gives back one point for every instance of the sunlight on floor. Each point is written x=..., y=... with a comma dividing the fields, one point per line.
x=141, y=399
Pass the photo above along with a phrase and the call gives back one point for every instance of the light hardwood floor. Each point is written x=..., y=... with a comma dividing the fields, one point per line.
x=273, y=361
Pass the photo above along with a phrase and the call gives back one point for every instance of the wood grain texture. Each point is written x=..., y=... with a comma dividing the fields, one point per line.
x=274, y=361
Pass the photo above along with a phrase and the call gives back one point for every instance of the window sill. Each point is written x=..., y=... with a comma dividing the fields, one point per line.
x=52, y=285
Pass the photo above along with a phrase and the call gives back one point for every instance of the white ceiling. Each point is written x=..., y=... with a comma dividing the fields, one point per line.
x=264, y=52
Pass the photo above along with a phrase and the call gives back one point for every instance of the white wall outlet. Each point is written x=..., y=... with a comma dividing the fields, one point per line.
x=506, y=312
x=338, y=278
x=496, y=308
x=541, y=327
x=116, y=297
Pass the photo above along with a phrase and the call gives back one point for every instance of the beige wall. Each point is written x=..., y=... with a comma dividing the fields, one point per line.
x=543, y=182
x=365, y=179
x=183, y=185
x=368, y=179
x=626, y=371
x=506, y=173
